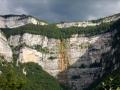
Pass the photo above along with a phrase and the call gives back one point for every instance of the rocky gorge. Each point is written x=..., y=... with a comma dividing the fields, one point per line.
x=75, y=61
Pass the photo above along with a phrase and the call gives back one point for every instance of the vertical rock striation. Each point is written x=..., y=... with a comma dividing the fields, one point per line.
x=5, y=50
x=75, y=61
x=13, y=21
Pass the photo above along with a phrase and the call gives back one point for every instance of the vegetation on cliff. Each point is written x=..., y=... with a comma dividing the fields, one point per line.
x=51, y=31
x=34, y=78
x=111, y=77
x=12, y=77
x=110, y=81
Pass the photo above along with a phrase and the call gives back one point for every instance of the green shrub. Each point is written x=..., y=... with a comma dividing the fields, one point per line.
x=52, y=57
x=11, y=79
x=41, y=49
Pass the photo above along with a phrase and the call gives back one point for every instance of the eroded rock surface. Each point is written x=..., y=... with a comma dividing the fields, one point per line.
x=5, y=50
x=13, y=21
x=74, y=61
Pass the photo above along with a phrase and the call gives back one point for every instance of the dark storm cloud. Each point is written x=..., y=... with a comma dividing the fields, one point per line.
x=61, y=10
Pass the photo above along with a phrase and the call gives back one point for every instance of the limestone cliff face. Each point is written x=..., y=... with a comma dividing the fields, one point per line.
x=46, y=54
x=76, y=61
x=88, y=23
x=85, y=59
x=12, y=21
x=5, y=50
x=77, y=24
x=73, y=61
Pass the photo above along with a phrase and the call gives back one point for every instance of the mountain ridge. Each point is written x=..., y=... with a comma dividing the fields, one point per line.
x=13, y=21
x=8, y=21
x=75, y=56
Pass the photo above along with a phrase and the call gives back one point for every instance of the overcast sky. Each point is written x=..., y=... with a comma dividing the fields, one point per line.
x=61, y=10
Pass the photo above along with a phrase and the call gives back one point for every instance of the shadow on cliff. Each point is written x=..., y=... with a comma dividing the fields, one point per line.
x=89, y=69
x=111, y=59
x=85, y=70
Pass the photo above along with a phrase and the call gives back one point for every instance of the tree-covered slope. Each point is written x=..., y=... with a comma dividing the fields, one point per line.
x=52, y=31
x=34, y=78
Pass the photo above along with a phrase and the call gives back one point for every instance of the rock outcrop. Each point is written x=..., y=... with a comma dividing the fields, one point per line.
x=76, y=24
x=13, y=21
x=5, y=50
x=88, y=23
x=73, y=61
x=76, y=61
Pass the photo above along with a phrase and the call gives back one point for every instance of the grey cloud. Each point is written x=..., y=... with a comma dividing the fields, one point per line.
x=61, y=10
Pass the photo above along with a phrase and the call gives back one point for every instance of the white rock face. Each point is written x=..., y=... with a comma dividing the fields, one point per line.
x=14, y=40
x=112, y=18
x=76, y=24
x=78, y=51
x=18, y=20
x=5, y=50
x=31, y=40
x=29, y=55
x=84, y=52
x=70, y=60
x=79, y=46
x=88, y=23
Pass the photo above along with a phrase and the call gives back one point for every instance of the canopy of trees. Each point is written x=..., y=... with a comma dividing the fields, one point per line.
x=12, y=78
x=51, y=31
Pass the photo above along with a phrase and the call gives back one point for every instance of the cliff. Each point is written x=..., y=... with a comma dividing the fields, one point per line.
x=88, y=23
x=13, y=21
x=75, y=60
